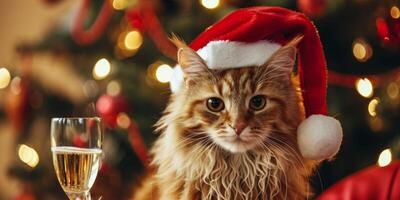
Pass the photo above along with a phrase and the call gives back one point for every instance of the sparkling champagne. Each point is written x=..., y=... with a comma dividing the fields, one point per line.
x=76, y=168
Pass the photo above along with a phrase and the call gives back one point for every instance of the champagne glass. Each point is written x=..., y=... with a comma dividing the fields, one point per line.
x=76, y=147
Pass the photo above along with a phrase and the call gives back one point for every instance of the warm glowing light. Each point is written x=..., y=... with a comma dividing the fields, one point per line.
x=123, y=120
x=120, y=4
x=133, y=40
x=385, y=158
x=101, y=69
x=5, y=77
x=90, y=88
x=15, y=85
x=359, y=51
x=395, y=12
x=210, y=4
x=362, y=51
x=393, y=90
x=364, y=87
x=28, y=155
x=372, y=106
x=113, y=88
x=105, y=104
x=164, y=73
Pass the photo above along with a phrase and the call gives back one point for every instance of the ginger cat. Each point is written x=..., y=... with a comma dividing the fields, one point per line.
x=230, y=134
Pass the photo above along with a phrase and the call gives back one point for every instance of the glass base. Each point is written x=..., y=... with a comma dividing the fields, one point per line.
x=79, y=196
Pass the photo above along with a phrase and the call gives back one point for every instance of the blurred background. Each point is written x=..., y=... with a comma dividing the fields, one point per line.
x=112, y=58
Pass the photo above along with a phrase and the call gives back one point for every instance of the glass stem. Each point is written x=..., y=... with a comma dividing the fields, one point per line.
x=79, y=196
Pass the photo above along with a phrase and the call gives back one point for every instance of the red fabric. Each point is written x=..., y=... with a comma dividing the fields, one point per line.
x=375, y=183
x=86, y=37
x=278, y=25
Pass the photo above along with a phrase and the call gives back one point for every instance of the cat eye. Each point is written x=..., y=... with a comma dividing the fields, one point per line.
x=215, y=104
x=257, y=102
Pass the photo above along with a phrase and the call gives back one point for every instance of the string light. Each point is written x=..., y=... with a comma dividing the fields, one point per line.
x=210, y=4
x=128, y=43
x=362, y=51
x=123, y=4
x=15, y=85
x=385, y=158
x=90, y=89
x=28, y=155
x=395, y=12
x=123, y=120
x=113, y=88
x=133, y=40
x=119, y=4
x=5, y=77
x=364, y=87
x=101, y=69
x=164, y=73
x=104, y=104
x=372, y=106
x=393, y=90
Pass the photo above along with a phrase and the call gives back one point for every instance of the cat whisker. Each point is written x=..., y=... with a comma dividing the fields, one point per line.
x=297, y=158
x=278, y=164
x=285, y=147
x=188, y=140
x=281, y=140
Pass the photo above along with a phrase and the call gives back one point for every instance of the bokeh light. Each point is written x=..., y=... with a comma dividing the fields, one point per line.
x=385, y=158
x=133, y=40
x=364, y=87
x=372, y=106
x=210, y=4
x=395, y=12
x=164, y=73
x=5, y=77
x=15, y=85
x=119, y=4
x=90, y=89
x=393, y=90
x=113, y=88
x=122, y=4
x=104, y=104
x=123, y=120
x=101, y=69
x=28, y=155
x=362, y=51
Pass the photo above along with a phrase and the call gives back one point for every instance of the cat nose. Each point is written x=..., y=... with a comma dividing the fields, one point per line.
x=239, y=127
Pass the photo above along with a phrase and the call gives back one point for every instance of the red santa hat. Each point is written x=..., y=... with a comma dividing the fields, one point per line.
x=248, y=37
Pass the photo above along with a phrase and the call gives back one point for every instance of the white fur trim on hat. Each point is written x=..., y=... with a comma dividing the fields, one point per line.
x=319, y=137
x=229, y=54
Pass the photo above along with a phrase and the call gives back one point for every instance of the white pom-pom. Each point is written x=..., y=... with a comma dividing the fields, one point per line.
x=319, y=137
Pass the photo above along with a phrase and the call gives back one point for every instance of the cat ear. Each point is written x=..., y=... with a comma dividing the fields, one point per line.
x=193, y=66
x=283, y=59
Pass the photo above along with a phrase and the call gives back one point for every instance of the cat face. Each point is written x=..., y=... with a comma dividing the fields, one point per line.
x=239, y=109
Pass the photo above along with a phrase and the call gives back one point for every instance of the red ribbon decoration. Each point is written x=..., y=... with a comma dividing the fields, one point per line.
x=144, y=18
x=86, y=37
x=137, y=142
x=347, y=80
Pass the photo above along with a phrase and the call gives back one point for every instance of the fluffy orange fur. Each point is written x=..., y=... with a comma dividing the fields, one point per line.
x=195, y=156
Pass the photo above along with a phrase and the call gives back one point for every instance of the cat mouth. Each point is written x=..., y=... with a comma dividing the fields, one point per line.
x=236, y=139
x=235, y=144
